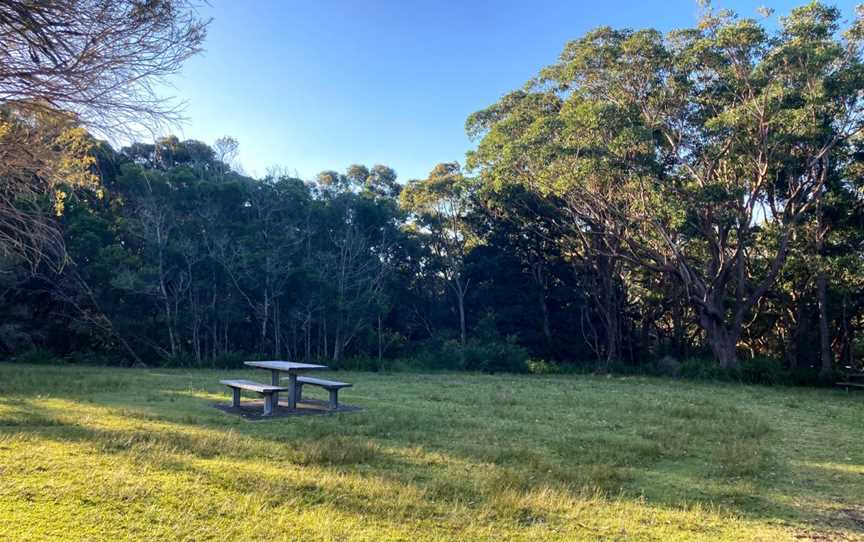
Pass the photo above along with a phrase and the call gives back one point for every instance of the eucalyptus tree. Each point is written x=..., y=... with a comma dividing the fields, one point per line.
x=154, y=221
x=226, y=149
x=695, y=154
x=831, y=254
x=71, y=63
x=359, y=220
x=440, y=206
x=520, y=226
x=265, y=251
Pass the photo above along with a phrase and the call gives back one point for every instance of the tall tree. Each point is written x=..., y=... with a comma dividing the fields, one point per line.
x=697, y=153
x=69, y=63
x=440, y=205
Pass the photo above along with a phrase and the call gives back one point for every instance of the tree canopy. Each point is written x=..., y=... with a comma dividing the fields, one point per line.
x=67, y=66
x=693, y=194
x=698, y=155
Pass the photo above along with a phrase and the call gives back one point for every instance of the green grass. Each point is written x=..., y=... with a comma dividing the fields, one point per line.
x=136, y=454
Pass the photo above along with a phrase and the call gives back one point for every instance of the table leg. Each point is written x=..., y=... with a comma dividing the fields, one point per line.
x=292, y=390
x=274, y=379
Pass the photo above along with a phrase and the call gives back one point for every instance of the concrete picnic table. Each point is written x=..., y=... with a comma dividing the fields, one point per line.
x=290, y=367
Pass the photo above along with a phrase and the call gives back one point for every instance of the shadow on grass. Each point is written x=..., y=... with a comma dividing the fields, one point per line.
x=435, y=452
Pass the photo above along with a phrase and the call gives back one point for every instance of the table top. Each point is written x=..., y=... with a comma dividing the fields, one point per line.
x=287, y=366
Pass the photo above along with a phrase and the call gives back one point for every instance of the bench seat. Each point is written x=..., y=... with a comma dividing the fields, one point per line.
x=851, y=384
x=267, y=390
x=326, y=384
x=331, y=386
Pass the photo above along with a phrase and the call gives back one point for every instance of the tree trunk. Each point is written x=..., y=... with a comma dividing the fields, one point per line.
x=547, y=328
x=608, y=307
x=724, y=348
x=540, y=279
x=325, y=339
x=826, y=363
x=277, y=331
x=463, y=333
x=337, y=340
x=307, y=331
x=722, y=340
x=214, y=331
x=678, y=345
x=827, y=367
x=380, y=340
x=170, y=325
x=265, y=317
x=612, y=337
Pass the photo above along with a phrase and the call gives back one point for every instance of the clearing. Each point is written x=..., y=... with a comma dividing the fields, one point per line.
x=141, y=454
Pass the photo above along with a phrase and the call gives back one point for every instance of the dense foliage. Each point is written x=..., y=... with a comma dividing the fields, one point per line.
x=69, y=67
x=646, y=200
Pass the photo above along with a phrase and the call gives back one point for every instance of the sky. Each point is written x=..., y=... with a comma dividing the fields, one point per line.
x=317, y=85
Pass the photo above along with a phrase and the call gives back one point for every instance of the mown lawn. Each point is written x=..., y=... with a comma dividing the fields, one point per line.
x=139, y=454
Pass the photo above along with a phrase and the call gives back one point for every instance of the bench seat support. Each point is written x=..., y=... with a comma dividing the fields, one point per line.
x=268, y=391
x=333, y=403
x=331, y=386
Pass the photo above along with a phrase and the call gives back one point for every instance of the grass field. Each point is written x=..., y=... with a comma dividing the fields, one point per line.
x=137, y=454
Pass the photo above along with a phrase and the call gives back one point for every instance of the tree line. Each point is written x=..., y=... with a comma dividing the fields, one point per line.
x=694, y=194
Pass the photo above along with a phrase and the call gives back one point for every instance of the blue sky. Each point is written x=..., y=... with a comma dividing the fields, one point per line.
x=322, y=84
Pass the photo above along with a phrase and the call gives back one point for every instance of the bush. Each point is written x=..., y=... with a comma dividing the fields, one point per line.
x=38, y=356
x=496, y=356
x=621, y=367
x=667, y=366
x=702, y=369
x=403, y=365
x=758, y=370
x=14, y=339
x=91, y=358
x=488, y=351
x=543, y=367
x=358, y=363
x=812, y=377
x=438, y=356
x=228, y=360
x=181, y=360
x=765, y=371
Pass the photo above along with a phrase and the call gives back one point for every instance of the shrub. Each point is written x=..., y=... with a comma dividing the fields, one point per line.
x=91, y=358
x=702, y=369
x=14, y=339
x=810, y=376
x=38, y=356
x=621, y=367
x=496, y=356
x=762, y=370
x=358, y=363
x=439, y=356
x=543, y=367
x=181, y=360
x=403, y=365
x=228, y=360
x=758, y=370
x=488, y=351
x=667, y=366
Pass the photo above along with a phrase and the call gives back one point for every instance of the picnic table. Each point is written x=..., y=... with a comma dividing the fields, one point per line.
x=290, y=367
